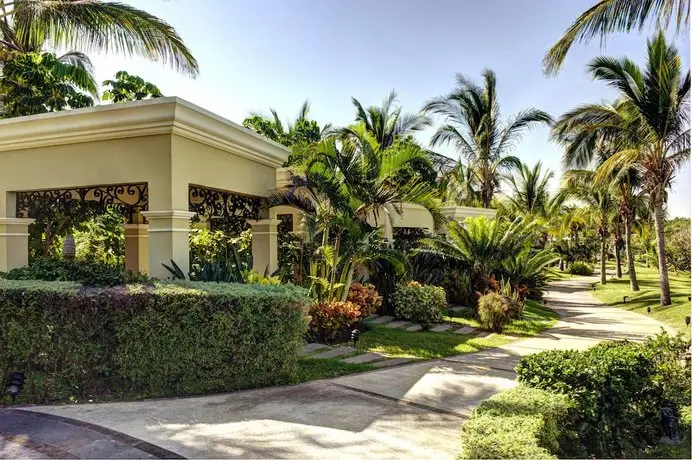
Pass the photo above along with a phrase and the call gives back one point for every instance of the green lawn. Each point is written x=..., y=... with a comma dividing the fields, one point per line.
x=316, y=369
x=649, y=295
x=399, y=343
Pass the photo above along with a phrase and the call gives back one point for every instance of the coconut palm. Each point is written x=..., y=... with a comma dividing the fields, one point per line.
x=30, y=26
x=474, y=127
x=459, y=186
x=580, y=184
x=648, y=128
x=529, y=193
x=386, y=123
x=611, y=16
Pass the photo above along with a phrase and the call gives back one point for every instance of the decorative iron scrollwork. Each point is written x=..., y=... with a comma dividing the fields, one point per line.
x=225, y=210
x=286, y=224
x=127, y=199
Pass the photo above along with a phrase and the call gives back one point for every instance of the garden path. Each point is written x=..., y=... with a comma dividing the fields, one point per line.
x=411, y=411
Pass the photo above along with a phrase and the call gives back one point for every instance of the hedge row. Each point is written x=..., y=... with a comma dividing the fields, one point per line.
x=519, y=423
x=170, y=338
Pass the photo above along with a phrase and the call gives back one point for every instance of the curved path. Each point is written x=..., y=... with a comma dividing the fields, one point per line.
x=412, y=411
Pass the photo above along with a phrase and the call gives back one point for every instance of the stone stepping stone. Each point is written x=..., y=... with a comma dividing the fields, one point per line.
x=310, y=347
x=465, y=330
x=364, y=358
x=371, y=317
x=396, y=324
x=485, y=334
x=335, y=352
x=391, y=362
x=441, y=328
x=414, y=328
x=382, y=320
x=457, y=308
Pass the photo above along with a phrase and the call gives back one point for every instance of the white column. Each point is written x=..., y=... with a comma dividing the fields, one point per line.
x=168, y=240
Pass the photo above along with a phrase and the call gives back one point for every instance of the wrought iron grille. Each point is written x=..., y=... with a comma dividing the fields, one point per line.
x=127, y=199
x=225, y=210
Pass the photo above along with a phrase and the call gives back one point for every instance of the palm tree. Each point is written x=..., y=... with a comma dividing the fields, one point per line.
x=386, y=123
x=611, y=16
x=301, y=130
x=459, y=186
x=580, y=184
x=648, y=128
x=474, y=127
x=31, y=26
x=529, y=190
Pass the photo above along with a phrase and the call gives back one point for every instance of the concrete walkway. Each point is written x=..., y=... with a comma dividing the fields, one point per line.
x=411, y=411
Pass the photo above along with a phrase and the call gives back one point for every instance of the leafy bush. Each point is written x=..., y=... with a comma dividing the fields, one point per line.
x=618, y=388
x=366, y=297
x=528, y=271
x=165, y=339
x=458, y=286
x=581, y=269
x=420, y=303
x=678, y=243
x=252, y=277
x=494, y=311
x=519, y=423
x=86, y=273
x=514, y=297
x=328, y=318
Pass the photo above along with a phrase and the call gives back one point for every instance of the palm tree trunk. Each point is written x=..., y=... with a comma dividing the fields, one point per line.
x=603, y=259
x=661, y=248
x=618, y=258
x=634, y=285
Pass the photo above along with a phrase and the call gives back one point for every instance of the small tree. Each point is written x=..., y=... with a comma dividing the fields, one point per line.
x=127, y=88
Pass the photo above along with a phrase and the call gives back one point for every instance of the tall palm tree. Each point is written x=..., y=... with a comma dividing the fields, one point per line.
x=611, y=16
x=648, y=127
x=529, y=193
x=474, y=127
x=91, y=26
x=580, y=184
x=386, y=123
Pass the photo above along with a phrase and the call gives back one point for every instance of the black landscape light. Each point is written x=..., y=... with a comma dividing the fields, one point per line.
x=15, y=383
x=355, y=335
x=687, y=320
x=624, y=299
x=545, y=302
x=648, y=309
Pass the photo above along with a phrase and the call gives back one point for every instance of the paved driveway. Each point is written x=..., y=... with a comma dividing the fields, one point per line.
x=412, y=411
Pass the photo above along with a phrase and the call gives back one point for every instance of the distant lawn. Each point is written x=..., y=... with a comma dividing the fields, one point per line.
x=400, y=343
x=649, y=295
x=316, y=369
x=557, y=275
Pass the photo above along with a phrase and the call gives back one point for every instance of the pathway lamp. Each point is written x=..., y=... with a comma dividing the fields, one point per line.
x=15, y=383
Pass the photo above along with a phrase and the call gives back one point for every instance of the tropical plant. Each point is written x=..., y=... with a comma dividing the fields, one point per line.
x=33, y=83
x=126, y=88
x=459, y=186
x=302, y=130
x=386, y=123
x=31, y=26
x=529, y=193
x=528, y=269
x=612, y=16
x=648, y=128
x=474, y=127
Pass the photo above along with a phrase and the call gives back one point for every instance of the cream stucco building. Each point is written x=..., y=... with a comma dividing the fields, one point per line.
x=163, y=162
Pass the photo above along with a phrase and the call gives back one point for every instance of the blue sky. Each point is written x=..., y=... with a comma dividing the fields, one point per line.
x=276, y=53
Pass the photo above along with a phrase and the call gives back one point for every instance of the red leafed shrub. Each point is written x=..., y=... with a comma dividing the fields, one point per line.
x=366, y=297
x=327, y=318
x=522, y=291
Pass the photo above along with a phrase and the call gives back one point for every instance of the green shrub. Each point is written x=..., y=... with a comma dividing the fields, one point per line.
x=328, y=318
x=252, y=277
x=420, y=303
x=580, y=269
x=84, y=272
x=366, y=297
x=169, y=338
x=494, y=311
x=458, y=286
x=519, y=423
x=618, y=388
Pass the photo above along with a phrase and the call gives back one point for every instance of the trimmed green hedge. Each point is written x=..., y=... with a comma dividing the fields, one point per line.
x=519, y=423
x=170, y=338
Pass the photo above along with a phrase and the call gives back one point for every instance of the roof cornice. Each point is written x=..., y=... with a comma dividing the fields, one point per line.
x=168, y=115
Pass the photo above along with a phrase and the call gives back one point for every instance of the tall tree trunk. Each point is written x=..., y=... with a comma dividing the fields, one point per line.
x=634, y=285
x=603, y=259
x=661, y=249
x=618, y=259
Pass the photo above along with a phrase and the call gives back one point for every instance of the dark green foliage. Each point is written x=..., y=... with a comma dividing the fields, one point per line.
x=581, y=269
x=171, y=338
x=83, y=272
x=618, y=389
x=519, y=423
x=459, y=288
x=420, y=303
x=678, y=243
x=494, y=311
x=126, y=88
